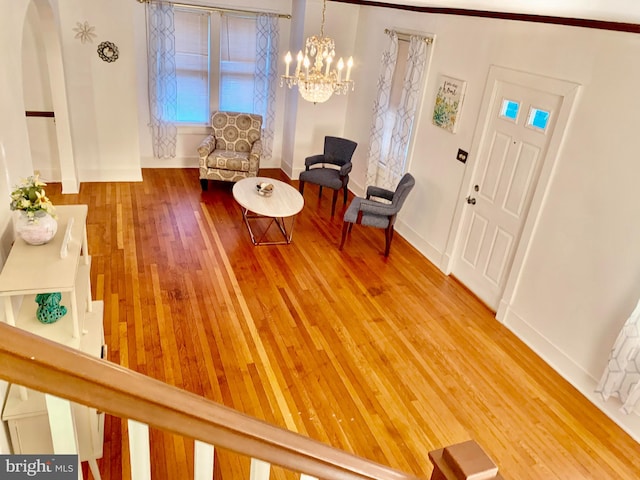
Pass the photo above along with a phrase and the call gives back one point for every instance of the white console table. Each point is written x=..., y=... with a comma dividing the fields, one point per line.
x=62, y=265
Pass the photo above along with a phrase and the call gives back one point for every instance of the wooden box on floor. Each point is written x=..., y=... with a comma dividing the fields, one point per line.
x=463, y=461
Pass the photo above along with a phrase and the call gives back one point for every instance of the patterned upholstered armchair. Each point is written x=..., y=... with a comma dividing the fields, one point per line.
x=232, y=151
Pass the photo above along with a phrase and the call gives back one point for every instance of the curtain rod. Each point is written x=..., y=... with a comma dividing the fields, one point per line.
x=406, y=35
x=218, y=9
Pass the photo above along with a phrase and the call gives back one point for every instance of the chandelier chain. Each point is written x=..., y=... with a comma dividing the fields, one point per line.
x=324, y=9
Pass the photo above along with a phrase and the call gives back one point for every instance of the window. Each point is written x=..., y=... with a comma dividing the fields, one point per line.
x=215, y=63
x=509, y=109
x=538, y=119
x=237, y=63
x=192, y=66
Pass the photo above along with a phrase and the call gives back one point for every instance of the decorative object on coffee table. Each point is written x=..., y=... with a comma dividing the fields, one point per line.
x=265, y=189
x=37, y=222
x=49, y=308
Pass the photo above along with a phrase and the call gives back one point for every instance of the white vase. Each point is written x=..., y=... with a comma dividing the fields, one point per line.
x=38, y=229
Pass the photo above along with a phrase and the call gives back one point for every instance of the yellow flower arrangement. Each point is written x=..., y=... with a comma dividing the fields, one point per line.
x=30, y=198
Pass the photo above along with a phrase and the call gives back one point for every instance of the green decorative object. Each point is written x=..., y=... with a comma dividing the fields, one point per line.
x=49, y=308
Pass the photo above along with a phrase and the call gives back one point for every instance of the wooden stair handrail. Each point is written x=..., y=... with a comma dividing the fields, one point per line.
x=40, y=364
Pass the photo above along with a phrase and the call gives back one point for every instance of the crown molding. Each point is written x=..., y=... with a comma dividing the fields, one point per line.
x=520, y=17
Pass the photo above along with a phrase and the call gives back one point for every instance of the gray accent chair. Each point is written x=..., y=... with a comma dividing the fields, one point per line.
x=373, y=213
x=330, y=169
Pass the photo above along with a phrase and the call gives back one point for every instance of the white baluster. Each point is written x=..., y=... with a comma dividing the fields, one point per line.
x=64, y=249
x=259, y=470
x=63, y=429
x=203, y=461
x=139, y=451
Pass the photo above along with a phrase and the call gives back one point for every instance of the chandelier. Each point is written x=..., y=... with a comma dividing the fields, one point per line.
x=315, y=78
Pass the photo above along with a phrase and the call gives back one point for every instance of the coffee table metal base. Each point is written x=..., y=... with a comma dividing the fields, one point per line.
x=280, y=222
x=280, y=208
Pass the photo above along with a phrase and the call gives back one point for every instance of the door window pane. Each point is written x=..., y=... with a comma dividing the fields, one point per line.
x=510, y=109
x=538, y=119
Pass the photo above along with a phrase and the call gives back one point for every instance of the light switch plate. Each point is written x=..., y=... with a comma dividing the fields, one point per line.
x=462, y=155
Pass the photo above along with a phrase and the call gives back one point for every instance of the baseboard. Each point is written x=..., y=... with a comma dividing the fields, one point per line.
x=190, y=162
x=49, y=175
x=107, y=175
x=176, y=162
x=432, y=254
x=571, y=372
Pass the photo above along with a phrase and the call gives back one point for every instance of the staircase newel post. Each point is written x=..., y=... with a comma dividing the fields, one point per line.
x=463, y=461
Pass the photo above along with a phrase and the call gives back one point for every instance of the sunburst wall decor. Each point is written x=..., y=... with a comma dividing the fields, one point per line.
x=84, y=32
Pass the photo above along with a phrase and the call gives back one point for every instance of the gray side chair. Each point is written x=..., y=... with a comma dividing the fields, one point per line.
x=373, y=213
x=330, y=169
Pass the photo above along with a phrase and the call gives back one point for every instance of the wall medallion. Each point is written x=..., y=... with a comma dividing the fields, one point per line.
x=108, y=51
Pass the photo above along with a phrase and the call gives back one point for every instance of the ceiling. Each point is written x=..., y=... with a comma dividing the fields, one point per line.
x=626, y=11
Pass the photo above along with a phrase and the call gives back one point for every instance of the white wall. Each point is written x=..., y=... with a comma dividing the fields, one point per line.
x=615, y=10
x=581, y=278
x=101, y=97
x=315, y=121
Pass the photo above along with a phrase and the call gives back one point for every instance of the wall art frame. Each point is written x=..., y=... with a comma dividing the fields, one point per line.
x=448, y=103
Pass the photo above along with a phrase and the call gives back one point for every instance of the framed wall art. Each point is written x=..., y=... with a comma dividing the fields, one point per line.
x=448, y=105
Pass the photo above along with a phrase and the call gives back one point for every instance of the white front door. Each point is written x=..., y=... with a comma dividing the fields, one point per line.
x=517, y=133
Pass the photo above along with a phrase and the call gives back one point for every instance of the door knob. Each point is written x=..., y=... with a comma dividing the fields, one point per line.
x=471, y=200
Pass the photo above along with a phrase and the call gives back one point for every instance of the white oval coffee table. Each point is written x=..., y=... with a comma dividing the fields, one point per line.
x=285, y=202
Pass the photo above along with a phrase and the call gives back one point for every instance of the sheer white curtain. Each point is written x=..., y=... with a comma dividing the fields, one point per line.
x=162, y=78
x=387, y=160
x=377, y=152
x=411, y=96
x=266, y=76
x=621, y=377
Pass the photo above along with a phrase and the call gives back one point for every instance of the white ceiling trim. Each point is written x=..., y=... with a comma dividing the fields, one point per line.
x=624, y=11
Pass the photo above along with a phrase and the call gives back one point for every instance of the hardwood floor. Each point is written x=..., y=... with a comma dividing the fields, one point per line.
x=385, y=358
